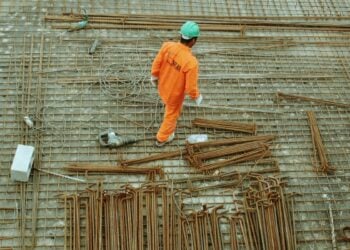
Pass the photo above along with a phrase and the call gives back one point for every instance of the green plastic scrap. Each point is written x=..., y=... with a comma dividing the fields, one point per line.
x=80, y=25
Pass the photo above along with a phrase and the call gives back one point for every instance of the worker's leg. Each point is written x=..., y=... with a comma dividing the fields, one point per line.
x=172, y=113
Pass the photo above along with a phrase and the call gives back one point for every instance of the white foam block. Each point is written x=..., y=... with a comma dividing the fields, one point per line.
x=22, y=163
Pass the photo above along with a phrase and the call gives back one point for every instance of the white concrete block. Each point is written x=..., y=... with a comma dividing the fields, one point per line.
x=22, y=163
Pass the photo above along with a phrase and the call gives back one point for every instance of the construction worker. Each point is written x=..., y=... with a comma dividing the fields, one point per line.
x=175, y=73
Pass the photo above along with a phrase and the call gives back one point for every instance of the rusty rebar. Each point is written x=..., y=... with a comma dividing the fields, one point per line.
x=321, y=163
x=281, y=95
x=84, y=167
x=225, y=125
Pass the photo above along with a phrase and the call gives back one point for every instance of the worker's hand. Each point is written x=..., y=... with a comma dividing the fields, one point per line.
x=154, y=81
x=199, y=100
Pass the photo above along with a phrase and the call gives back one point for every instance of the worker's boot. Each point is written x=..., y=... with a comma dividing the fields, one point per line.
x=170, y=138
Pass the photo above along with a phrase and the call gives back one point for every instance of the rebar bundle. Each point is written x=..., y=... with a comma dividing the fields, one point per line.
x=242, y=152
x=265, y=219
x=88, y=207
x=225, y=125
x=150, y=217
x=81, y=167
x=236, y=150
x=154, y=217
x=201, y=229
x=126, y=219
x=281, y=95
x=320, y=163
x=132, y=218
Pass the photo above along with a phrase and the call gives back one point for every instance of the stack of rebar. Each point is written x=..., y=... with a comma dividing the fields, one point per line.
x=84, y=214
x=154, y=217
x=132, y=218
x=265, y=218
x=225, y=125
x=201, y=229
x=241, y=152
x=150, y=217
x=241, y=149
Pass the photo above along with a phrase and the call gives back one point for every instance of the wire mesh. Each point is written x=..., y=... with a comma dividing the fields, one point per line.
x=72, y=96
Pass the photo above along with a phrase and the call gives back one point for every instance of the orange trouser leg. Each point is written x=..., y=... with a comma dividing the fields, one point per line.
x=172, y=113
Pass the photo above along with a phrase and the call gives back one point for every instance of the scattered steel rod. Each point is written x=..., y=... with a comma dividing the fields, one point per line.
x=81, y=167
x=230, y=108
x=331, y=223
x=218, y=18
x=229, y=184
x=281, y=95
x=233, y=179
x=60, y=175
x=222, y=176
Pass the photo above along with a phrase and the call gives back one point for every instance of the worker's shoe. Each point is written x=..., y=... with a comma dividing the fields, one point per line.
x=170, y=138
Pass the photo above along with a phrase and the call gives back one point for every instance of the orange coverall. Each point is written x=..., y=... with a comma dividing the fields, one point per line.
x=177, y=72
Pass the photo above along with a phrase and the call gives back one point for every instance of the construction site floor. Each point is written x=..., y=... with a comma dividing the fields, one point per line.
x=261, y=62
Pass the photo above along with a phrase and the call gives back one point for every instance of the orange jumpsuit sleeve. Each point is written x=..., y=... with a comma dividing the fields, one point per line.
x=191, y=87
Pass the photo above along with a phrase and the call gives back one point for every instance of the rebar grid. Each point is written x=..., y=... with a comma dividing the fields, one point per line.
x=201, y=7
x=70, y=95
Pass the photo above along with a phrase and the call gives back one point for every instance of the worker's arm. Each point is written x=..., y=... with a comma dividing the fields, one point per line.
x=191, y=79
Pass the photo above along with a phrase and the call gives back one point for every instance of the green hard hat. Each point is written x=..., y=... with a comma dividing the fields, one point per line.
x=189, y=30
